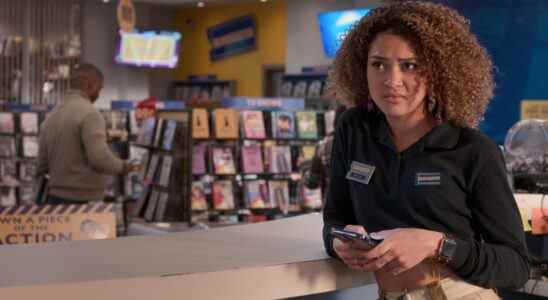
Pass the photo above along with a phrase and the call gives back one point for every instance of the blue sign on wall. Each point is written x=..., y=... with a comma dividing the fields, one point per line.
x=233, y=37
x=334, y=26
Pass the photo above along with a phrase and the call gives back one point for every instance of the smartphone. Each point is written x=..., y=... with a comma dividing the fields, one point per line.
x=358, y=240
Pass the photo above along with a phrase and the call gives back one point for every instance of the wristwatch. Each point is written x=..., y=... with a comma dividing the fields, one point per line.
x=447, y=249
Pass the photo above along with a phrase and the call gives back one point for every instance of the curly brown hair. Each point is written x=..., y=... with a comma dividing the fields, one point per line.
x=458, y=69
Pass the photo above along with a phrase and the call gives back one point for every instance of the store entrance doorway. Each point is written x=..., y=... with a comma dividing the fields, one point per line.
x=272, y=80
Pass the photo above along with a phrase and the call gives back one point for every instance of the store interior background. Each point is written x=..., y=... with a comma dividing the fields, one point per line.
x=515, y=32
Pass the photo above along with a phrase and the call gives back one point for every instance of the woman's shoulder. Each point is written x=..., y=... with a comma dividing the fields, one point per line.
x=356, y=117
x=478, y=141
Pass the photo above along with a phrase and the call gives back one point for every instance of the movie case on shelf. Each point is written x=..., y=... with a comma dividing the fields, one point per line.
x=223, y=195
x=165, y=171
x=253, y=124
x=226, y=123
x=200, y=123
x=199, y=159
x=146, y=134
x=283, y=125
x=315, y=89
x=223, y=160
x=299, y=91
x=252, y=160
x=307, y=124
x=256, y=194
x=161, y=206
x=28, y=122
x=7, y=146
x=278, y=192
x=30, y=146
x=198, y=196
x=151, y=206
x=280, y=159
x=7, y=123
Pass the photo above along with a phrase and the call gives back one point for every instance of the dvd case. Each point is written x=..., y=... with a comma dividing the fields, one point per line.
x=169, y=133
x=27, y=171
x=27, y=193
x=198, y=196
x=226, y=123
x=223, y=195
x=252, y=161
x=30, y=146
x=7, y=124
x=198, y=159
x=283, y=125
x=280, y=159
x=158, y=132
x=278, y=191
x=28, y=123
x=151, y=206
x=300, y=89
x=7, y=146
x=152, y=169
x=315, y=89
x=200, y=123
x=165, y=173
x=146, y=133
x=161, y=207
x=287, y=89
x=256, y=195
x=307, y=125
x=223, y=160
x=253, y=123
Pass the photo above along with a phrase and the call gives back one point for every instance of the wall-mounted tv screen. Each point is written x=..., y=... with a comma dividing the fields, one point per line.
x=335, y=24
x=149, y=49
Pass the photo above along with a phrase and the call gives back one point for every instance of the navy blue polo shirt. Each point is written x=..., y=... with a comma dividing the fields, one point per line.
x=452, y=180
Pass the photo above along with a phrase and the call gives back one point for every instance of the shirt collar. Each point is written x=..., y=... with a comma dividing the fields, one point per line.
x=444, y=136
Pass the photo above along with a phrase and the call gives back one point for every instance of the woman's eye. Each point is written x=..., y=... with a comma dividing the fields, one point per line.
x=378, y=65
x=409, y=66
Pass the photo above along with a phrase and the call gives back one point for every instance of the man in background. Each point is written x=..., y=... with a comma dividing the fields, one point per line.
x=73, y=144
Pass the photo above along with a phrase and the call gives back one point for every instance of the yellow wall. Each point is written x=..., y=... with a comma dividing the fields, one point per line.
x=246, y=68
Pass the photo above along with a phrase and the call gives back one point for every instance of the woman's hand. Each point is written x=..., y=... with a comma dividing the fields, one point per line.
x=401, y=250
x=351, y=256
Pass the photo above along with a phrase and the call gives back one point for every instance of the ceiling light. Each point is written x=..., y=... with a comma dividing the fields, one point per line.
x=106, y=1
x=264, y=0
x=201, y=4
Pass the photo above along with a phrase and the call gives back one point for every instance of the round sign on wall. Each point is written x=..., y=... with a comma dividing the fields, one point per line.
x=126, y=15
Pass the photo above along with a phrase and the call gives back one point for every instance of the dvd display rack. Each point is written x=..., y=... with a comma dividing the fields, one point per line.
x=18, y=156
x=162, y=186
x=246, y=163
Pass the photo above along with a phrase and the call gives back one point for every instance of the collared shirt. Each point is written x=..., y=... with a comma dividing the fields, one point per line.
x=452, y=180
x=74, y=150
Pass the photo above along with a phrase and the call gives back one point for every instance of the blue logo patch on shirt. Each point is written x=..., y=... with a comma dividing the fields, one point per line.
x=430, y=178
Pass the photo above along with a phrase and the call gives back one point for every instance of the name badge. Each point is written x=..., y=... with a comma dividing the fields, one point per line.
x=431, y=178
x=360, y=172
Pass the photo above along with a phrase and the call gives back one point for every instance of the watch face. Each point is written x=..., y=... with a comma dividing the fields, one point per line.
x=448, y=248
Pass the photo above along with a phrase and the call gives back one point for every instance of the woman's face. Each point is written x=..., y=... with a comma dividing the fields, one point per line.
x=394, y=82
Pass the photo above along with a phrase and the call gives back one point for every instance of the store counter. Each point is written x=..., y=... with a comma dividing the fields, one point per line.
x=277, y=259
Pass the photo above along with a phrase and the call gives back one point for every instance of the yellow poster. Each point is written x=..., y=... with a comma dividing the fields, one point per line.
x=534, y=109
x=56, y=223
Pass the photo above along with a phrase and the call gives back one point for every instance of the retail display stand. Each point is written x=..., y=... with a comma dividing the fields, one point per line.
x=246, y=159
x=19, y=128
x=165, y=155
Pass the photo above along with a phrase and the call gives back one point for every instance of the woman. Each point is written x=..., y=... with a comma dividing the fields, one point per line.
x=409, y=166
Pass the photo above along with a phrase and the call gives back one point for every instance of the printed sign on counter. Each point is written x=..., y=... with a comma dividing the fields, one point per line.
x=31, y=224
